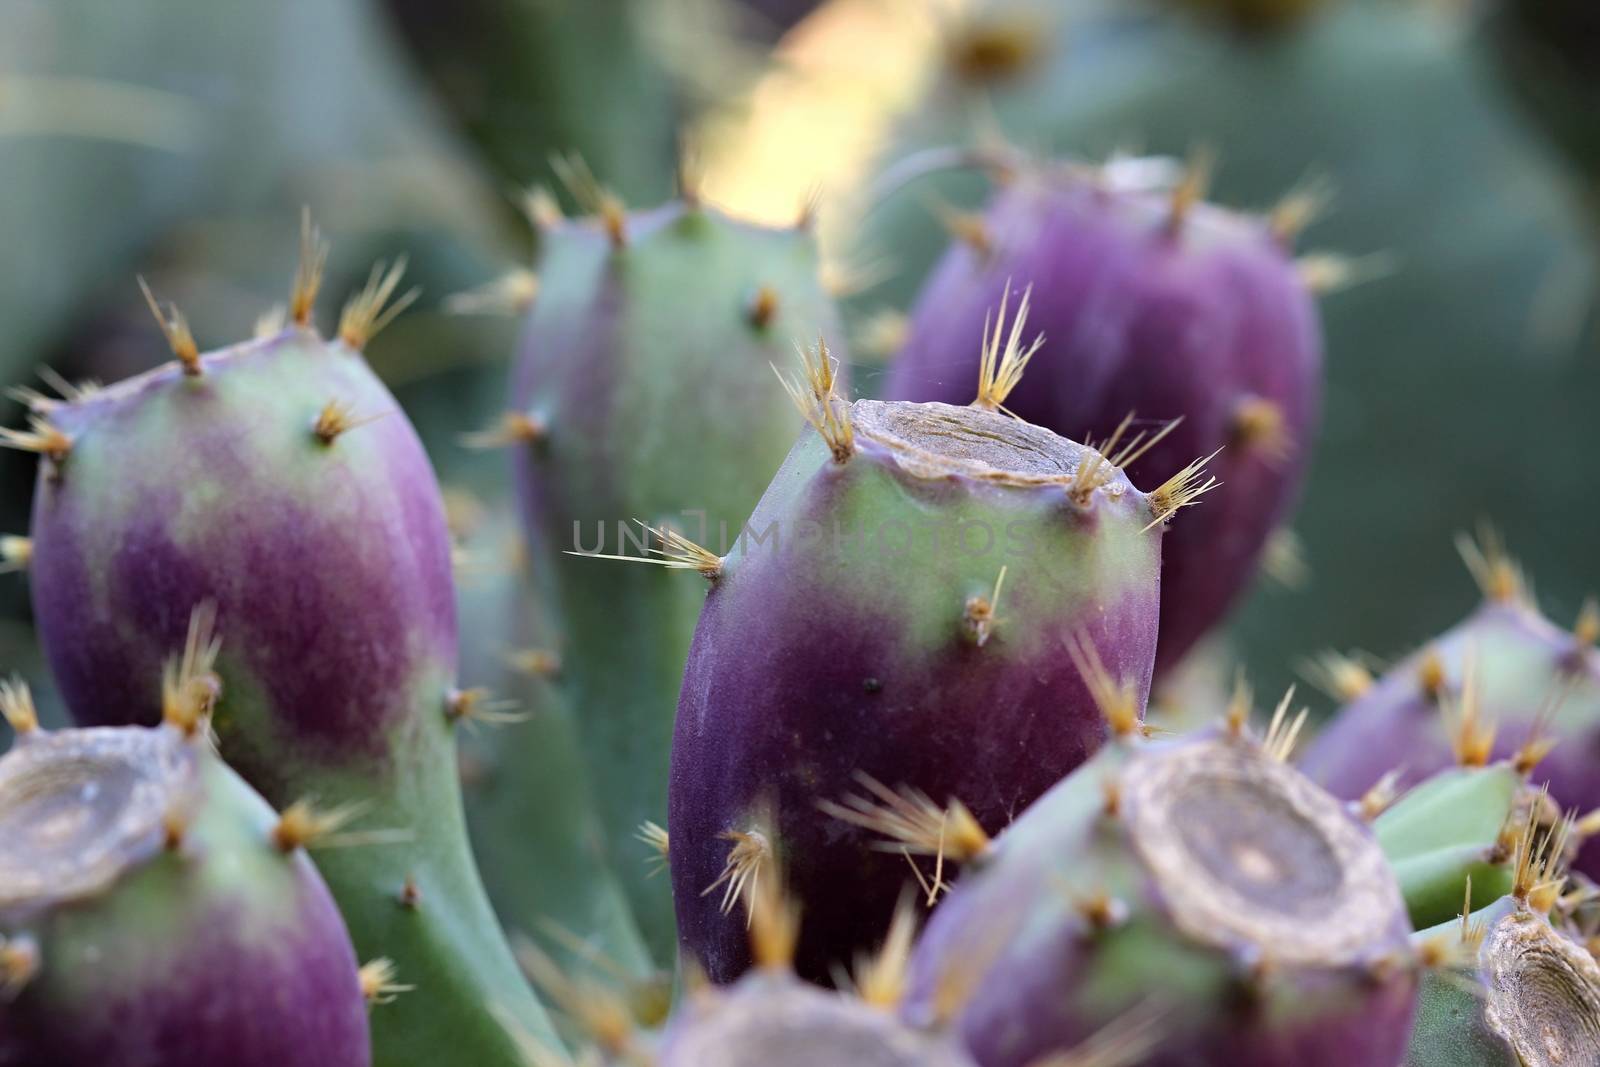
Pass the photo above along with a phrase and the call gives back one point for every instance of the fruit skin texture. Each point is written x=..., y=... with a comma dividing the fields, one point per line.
x=1016, y=958
x=776, y=1020
x=1205, y=318
x=1449, y=828
x=228, y=951
x=649, y=369
x=822, y=656
x=1521, y=662
x=329, y=565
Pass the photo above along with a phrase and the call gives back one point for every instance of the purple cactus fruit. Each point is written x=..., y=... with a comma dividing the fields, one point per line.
x=772, y=1017
x=278, y=481
x=1155, y=302
x=1503, y=683
x=906, y=604
x=1199, y=884
x=148, y=916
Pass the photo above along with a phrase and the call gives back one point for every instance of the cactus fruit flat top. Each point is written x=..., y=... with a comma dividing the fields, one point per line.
x=1156, y=305
x=1543, y=992
x=1506, y=988
x=148, y=916
x=1198, y=889
x=275, y=490
x=1248, y=855
x=772, y=1017
x=78, y=808
x=917, y=589
x=780, y=1021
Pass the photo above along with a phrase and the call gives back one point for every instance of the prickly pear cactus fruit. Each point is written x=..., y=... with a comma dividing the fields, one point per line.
x=276, y=484
x=149, y=915
x=1155, y=303
x=644, y=323
x=1507, y=989
x=1505, y=683
x=1491, y=215
x=916, y=588
x=1198, y=895
x=1458, y=825
x=772, y=1017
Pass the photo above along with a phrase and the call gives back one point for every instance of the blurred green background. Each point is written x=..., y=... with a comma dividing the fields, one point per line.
x=179, y=139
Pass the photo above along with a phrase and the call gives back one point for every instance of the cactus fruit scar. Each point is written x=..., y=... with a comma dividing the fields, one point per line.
x=644, y=323
x=1199, y=881
x=772, y=1017
x=277, y=481
x=1507, y=988
x=907, y=609
x=146, y=915
x=1505, y=683
x=1153, y=301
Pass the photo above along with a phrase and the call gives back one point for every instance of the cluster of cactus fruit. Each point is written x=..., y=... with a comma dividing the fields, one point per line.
x=885, y=752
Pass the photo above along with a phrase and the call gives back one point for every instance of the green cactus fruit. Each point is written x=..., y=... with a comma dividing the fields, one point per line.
x=151, y=913
x=1506, y=988
x=644, y=323
x=1455, y=825
x=1504, y=683
x=529, y=802
x=1199, y=881
x=277, y=482
x=907, y=608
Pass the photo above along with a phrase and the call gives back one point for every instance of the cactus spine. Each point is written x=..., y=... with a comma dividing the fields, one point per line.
x=148, y=913
x=277, y=481
x=1505, y=683
x=1153, y=302
x=1199, y=882
x=644, y=323
x=928, y=578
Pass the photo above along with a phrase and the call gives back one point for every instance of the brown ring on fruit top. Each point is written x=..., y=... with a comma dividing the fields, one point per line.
x=781, y=1022
x=936, y=440
x=79, y=807
x=1543, y=993
x=1247, y=854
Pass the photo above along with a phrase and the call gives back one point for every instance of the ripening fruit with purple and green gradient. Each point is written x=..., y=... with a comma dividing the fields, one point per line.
x=1196, y=895
x=908, y=604
x=278, y=482
x=1504, y=681
x=1152, y=302
x=147, y=915
x=644, y=391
